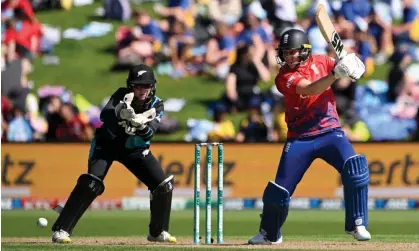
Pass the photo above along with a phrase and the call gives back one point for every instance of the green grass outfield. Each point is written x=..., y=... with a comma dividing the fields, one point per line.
x=127, y=230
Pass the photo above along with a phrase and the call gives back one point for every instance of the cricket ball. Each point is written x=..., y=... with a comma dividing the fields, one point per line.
x=42, y=222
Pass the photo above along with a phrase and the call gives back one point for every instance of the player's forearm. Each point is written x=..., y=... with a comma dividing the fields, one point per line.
x=146, y=133
x=317, y=87
x=149, y=130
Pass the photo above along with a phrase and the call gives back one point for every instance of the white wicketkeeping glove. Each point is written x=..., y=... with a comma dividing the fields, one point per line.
x=140, y=120
x=349, y=66
x=124, y=110
x=129, y=129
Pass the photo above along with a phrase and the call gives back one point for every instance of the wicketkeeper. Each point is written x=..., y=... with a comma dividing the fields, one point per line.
x=130, y=119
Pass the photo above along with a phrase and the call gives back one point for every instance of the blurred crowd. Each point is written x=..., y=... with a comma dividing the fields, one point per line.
x=234, y=42
x=22, y=41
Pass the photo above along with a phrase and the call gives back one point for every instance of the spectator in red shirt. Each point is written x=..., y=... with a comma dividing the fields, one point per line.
x=22, y=35
x=12, y=5
x=72, y=128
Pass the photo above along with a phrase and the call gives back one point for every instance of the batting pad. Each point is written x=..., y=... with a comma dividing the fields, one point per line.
x=275, y=210
x=355, y=179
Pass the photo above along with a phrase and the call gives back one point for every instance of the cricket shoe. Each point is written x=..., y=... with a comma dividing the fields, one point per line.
x=261, y=239
x=163, y=237
x=61, y=237
x=360, y=233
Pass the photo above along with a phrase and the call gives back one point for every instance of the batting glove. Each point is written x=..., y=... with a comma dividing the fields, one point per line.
x=349, y=66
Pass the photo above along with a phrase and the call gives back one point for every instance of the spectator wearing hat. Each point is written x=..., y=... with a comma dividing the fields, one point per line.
x=253, y=128
x=224, y=129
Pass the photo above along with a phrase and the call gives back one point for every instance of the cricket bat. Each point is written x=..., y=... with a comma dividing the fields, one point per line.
x=328, y=31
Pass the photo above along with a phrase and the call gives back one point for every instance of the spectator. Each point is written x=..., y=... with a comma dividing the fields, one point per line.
x=9, y=6
x=22, y=38
x=407, y=102
x=53, y=117
x=177, y=10
x=253, y=128
x=401, y=61
x=4, y=127
x=416, y=134
x=365, y=46
x=144, y=40
x=150, y=29
x=253, y=32
x=220, y=49
x=379, y=28
x=72, y=128
x=6, y=116
x=117, y=9
x=404, y=32
x=224, y=129
x=280, y=128
x=354, y=128
x=281, y=14
x=241, y=82
x=181, y=41
x=411, y=81
x=354, y=9
x=19, y=129
x=225, y=11
x=14, y=84
x=344, y=90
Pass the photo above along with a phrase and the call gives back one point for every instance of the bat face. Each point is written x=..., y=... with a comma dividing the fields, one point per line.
x=328, y=31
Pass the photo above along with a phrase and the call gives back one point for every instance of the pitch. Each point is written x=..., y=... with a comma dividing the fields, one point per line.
x=126, y=230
